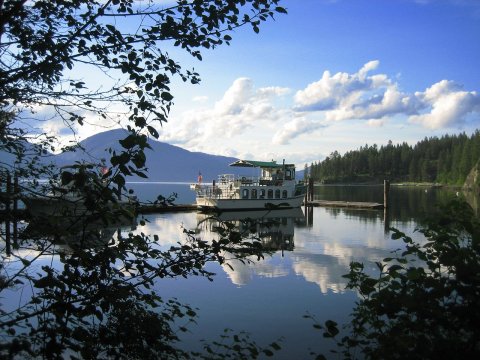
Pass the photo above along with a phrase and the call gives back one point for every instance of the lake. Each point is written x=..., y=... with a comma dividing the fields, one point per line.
x=311, y=250
x=268, y=298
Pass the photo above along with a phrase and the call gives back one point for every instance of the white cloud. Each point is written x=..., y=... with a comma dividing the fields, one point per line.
x=446, y=105
x=242, y=109
x=200, y=99
x=273, y=91
x=235, y=98
x=340, y=91
x=375, y=98
x=371, y=65
x=375, y=123
x=293, y=129
x=252, y=122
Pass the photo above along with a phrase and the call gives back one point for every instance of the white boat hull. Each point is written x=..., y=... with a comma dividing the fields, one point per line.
x=249, y=204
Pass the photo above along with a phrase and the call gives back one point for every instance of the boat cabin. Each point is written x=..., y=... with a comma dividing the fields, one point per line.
x=275, y=185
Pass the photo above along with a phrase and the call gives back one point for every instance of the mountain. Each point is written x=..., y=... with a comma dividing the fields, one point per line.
x=165, y=162
x=9, y=159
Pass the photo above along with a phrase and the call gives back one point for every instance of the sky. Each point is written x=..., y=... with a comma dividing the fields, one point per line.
x=333, y=75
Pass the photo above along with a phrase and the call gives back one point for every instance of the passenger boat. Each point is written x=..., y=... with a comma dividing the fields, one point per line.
x=275, y=187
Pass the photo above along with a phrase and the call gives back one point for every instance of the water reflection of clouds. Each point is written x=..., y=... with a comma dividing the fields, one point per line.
x=168, y=227
x=243, y=272
x=325, y=271
x=322, y=252
x=327, y=268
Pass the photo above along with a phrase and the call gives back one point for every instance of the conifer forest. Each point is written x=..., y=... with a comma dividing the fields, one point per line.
x=445, y=160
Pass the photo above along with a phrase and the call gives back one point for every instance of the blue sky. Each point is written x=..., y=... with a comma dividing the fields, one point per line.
x=333, y=75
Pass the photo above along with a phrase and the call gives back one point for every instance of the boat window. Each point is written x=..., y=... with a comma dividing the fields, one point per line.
x=262, y=193
x=284, y=194
x=270, y=194
x=254, y=194
x=245, y=194
x=277, y=194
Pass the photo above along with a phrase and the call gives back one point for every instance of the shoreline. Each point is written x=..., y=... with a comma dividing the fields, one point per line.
x=400, y=184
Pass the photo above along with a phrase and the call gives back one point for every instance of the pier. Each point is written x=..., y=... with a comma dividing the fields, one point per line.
x=154, y=208
x=309, y=200
x=346, y=204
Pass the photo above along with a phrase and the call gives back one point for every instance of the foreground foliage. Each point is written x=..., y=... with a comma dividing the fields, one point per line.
x=104, y=63
x=98, y=296
x=425, y=301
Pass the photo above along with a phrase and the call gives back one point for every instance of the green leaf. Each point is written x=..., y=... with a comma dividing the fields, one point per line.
x=129, y=142
x=153, y=131
x=25, y=262
x=275, y=346
x=268, y=352
x=396, y=235
x=166, y=96
x=111, y=28
x=395, y=268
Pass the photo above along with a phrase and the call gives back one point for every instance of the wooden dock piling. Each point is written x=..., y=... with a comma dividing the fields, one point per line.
x=9, y=191
x=386, y=191
x=310, y=191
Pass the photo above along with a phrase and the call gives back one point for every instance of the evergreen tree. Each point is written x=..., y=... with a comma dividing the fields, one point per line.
x=446, y=160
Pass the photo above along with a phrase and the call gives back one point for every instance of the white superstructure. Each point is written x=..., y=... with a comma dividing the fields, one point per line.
x=276, y=187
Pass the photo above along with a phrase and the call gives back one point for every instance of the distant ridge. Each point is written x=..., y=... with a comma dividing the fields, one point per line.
x=165, y=162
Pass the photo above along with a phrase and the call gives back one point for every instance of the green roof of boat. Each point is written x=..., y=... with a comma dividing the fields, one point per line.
x=261, y=164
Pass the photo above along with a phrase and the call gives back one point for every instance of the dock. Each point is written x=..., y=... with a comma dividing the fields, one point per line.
x=154, y=208
x=141, y=209
x=309, y=200
x=346, y=204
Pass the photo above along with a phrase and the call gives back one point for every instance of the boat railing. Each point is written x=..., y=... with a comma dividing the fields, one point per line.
x=250, y=180
x=217, y=192
x=237, y=181
x=226, y=179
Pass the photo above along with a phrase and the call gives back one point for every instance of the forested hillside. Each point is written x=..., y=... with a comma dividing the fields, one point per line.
x=445, y=160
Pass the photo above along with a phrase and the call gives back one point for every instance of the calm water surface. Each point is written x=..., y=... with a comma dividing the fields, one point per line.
x=269, y=297
x=312, y=249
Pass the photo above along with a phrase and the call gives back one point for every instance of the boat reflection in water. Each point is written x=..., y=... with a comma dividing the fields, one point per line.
x=274, y=229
